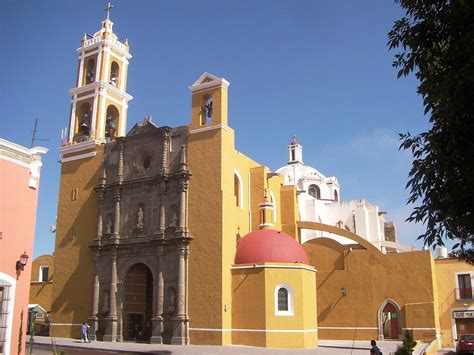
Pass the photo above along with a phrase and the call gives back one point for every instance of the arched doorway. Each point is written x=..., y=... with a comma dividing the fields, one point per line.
x=390, y=321
x=138, y=304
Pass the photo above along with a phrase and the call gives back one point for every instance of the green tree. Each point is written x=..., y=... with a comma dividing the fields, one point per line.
x=435, y=41
x=408, y=345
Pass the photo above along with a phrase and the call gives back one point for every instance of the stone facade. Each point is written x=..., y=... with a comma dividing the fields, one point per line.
x=142, y=208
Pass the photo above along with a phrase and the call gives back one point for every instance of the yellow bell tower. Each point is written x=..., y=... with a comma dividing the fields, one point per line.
x=99, y=101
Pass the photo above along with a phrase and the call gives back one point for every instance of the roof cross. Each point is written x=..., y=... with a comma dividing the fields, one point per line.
x=107, y=9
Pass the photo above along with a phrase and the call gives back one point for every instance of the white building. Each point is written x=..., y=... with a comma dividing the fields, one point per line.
x=319, y=201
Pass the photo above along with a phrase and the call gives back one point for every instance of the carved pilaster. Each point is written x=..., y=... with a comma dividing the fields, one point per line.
x=116, y=231
x=182, y=224
x=181, y=320
x=163, y=192
x=93, y=319
x=111, y=330
x=120, y=160
x=165, y=147
x=159, y=300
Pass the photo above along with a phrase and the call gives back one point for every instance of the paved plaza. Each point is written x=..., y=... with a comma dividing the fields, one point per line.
x=43, y=345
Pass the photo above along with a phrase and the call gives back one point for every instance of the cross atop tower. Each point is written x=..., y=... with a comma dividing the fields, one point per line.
x=107, y=9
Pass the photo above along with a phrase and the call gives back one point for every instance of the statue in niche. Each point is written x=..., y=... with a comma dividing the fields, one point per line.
x=174, y=220
x=140, y=220
x=105, y=303
x=171, y=300
x=108, y=226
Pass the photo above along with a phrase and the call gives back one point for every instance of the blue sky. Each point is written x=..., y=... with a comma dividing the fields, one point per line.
x=317, y=69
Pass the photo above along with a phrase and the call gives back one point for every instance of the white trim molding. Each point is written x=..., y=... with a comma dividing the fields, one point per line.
x=213, y=81
x=273, y=266
x=240, y=202
x=10, y=282
x=210, y=128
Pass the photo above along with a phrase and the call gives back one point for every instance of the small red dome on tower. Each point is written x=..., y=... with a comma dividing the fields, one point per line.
x=268, y=245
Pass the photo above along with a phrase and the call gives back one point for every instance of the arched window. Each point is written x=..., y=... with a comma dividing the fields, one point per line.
x=114, y=74
x=336, y=196
x=284, y=300
x=206, y=114
x=111, y=123
x=90, y=71
x=238, y=189
x=314, y=191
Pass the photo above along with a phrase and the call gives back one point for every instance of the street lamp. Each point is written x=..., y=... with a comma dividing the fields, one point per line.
x=20, y=264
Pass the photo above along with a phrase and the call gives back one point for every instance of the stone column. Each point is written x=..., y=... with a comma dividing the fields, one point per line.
x=159, y=290
x=164, y=156
x=163, y=192
x=111, y=331
x=180, y=331
x=182, y=227
x=93, y=319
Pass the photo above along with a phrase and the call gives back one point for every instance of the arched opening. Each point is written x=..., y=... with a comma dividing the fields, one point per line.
x=336, y=196
x=138, y=304
x=114, y=73
x=111, y=123
x=90, y=71
x=238, y=189
x=314, y=191
x=84, y=116
x=206, y=114
x=389, y=320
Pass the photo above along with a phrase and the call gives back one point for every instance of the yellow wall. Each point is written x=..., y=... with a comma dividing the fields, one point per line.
x=76, y=228
x=42, y=292
x=215, y=221
x=253, y=306
x=446, y=270
x=370, y=278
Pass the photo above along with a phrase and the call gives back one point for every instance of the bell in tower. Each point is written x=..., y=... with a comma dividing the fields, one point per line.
x=99, y=102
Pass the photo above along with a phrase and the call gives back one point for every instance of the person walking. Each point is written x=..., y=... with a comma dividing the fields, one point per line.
x=374, y=350
x=85, y=328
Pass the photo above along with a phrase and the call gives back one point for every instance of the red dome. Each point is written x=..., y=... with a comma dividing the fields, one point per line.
x=268, y=245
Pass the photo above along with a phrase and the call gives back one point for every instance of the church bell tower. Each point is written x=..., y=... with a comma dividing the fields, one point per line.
x=99, y=101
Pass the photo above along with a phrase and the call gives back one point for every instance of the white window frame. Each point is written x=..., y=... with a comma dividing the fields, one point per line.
x=7, y=280
x=40, y=272
x=458, y=296
x=241, y=189
x=273, y=200
x=291, y=310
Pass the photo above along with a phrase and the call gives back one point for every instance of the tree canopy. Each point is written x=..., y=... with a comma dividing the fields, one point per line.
x=435, y=41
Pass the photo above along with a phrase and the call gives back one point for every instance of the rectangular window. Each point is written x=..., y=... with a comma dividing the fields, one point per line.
x=44, y=273
x=465, y=288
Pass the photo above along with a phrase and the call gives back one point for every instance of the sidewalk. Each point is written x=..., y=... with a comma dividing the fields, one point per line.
x=334, y=347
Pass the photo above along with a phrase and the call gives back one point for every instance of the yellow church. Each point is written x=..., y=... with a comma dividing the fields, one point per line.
x=170, y=235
